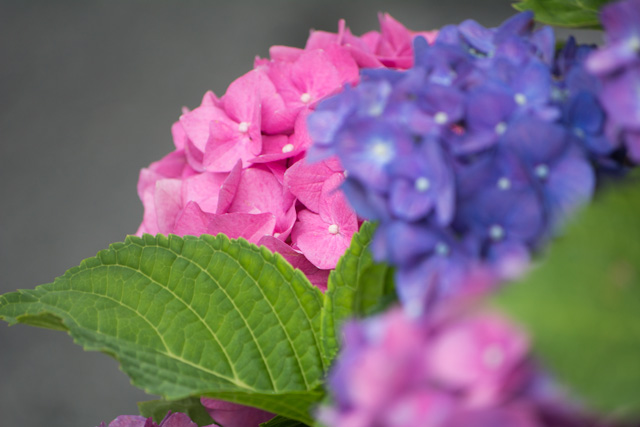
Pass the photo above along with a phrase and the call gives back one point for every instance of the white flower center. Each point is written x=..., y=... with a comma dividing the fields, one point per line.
x=345, y=173
x=520, y=99
x=422, y=184
x=634, y=43
x=382, y=151
x=542, y=171
x=333, y=229
x=504, y=183
x=578, y=132
x=496, y=232
x=442, y=248
x=441, y=118
x=493, y=356
x=501, y=128
x=305, y=98
x=243, y=127
x=287, y=148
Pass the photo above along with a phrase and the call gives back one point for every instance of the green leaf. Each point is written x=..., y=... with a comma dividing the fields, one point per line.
x=282, y=422
x=158, y=409
x=565, y=13
x=358, y=287
x=582, y=303
x=191, y=316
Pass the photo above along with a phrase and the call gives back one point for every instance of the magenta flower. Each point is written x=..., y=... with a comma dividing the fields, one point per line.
x=229, y=414
x=176, y=419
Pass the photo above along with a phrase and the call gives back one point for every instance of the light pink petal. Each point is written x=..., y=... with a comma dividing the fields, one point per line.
x=315, y=75
x=179, y=136
x=196, y=124
x=341, y=59
x=230, y=414
x=168, y=203
x=260, y=192
x=334, y=208
x=128, y=421
x=203, y=188
x=306, y=180
x=251, y=227
x=228, y=144
x=276, y=147
x=424, y=408
x=210, y=100
x=317, y=241
x=297, y=260
x=229, y=188
x=285, y=53
x=242, y=101
x=192, y=221
x=477, y=354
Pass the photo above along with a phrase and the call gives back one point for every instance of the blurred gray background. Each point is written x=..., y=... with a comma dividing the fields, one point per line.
x=88, y=93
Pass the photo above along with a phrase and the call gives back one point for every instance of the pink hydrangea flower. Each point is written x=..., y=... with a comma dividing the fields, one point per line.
x=239, y=164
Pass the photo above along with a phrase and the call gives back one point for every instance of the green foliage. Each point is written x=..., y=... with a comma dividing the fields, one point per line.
x=157, y=409
x=358, y=287
x=582, y=303
x=565, y=13
x=282, y=422
x=192, y=316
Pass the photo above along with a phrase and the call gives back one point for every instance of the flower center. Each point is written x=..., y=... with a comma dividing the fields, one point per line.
x=504, y=183
x=382, y=151
x=442, y=248
x=520, y=99
x=287, y=148
x=496, y=232
x=422, y=184
x=542, y=171
x=243, y=127
x=305, y=98
x=441, y=118
x=333, y=229
x=501, y=128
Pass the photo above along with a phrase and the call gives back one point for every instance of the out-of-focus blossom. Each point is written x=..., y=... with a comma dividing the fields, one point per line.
x=176, y=419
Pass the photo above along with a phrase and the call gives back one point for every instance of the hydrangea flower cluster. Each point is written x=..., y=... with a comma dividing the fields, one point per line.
x=476, y=154
x=453, y=369
x=617, y=66
x=239, y=169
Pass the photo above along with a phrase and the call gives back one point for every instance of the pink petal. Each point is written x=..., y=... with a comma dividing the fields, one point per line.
x=192, y=221
x=306, y=180
x=297, y=260
x=168, y=203
x=235, y=415
x=317, y=241
x=227, y=144
x=203, y=188
x=242, y=102
x=229, y=188
x=251, y=227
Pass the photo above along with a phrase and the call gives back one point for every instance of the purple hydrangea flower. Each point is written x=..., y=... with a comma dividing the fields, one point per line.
x=487, y=142
x=446, y=370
